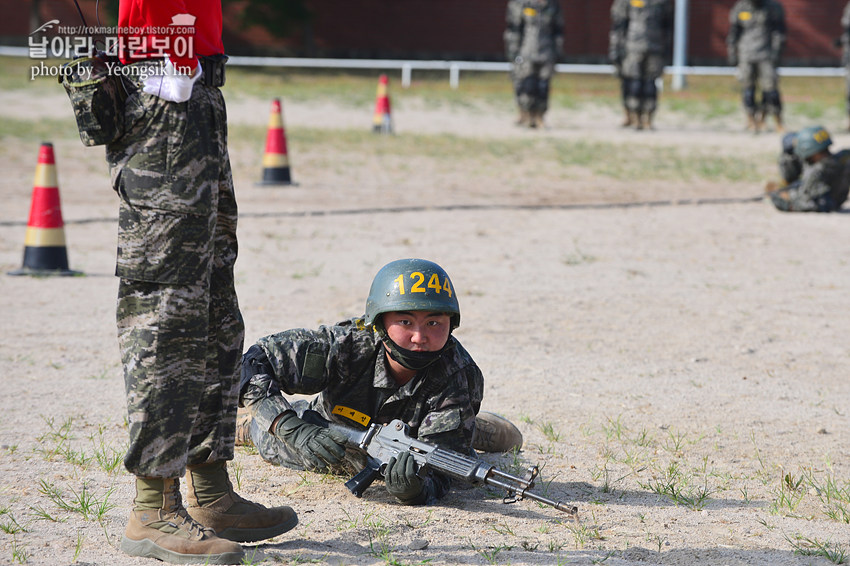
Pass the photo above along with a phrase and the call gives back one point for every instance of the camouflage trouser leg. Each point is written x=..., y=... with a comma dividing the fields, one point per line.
x=532, y=83
x=179, y=326
x=793, y=198
x=640, y=70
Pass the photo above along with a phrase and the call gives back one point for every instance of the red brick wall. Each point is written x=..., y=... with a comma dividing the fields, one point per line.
x=472, y=29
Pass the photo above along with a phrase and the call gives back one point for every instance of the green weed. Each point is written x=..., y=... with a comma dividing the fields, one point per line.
x=804, y=546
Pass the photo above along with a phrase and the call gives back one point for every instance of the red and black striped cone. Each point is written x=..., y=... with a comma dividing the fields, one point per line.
x=382, y=121
x=44, y=245
x=275, y=159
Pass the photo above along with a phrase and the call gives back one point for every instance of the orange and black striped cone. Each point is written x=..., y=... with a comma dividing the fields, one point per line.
x=44, y=245
x=275, y=159
x=382, y=121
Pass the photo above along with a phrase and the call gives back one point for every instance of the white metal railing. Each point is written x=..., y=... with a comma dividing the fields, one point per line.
x=406, y=67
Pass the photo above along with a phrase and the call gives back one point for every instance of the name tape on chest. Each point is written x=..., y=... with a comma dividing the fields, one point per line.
x=351, y=414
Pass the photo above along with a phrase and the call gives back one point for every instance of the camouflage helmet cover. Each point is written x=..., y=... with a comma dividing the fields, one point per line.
x=811, y=140
x=412, y=285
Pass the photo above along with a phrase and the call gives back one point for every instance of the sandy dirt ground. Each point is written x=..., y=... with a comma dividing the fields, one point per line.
x=677, y=362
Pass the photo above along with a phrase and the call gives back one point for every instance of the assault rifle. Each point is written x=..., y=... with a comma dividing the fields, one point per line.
x=380, y=443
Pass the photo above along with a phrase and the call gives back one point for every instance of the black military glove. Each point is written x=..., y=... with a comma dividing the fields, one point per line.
x=402, y=481
x=318, y=447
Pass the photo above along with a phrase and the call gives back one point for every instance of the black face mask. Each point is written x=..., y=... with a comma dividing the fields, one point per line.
x=408, y=358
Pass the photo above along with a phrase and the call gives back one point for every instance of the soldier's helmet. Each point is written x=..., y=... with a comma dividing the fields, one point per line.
x=412, y=285
x=811, y=140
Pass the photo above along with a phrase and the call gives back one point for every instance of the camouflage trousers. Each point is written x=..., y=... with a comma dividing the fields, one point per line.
x=180, y=330
x=793, y=198
x=532, y=82
x=759, y=75
x=639, y=72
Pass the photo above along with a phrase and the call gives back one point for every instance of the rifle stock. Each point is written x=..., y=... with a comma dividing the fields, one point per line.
x=380, y=443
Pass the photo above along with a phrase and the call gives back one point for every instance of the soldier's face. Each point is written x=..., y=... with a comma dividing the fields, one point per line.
x=420, y=331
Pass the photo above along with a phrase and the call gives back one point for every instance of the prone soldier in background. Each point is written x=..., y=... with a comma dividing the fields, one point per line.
x=754, y=44
x=534, y=38
x=640, y=38
x=399, y=361
x=814, y=179
x=844, y=41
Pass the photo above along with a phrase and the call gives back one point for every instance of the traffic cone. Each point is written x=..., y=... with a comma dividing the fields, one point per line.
x=44, y=244
x=382, y=122
x=275, y=159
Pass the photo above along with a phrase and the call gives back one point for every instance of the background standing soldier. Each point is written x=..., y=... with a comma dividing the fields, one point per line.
x=756, y=37
x=534, y=38
x=640, y=39
x=180, y=330
x=845, y=53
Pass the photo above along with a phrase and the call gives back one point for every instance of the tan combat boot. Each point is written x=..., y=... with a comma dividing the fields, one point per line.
x=494, y=433
x=214, y=504
x=524, y=118
x=752, y=123
x=780, y=128
x=629, y=120
x=760, y=121
x=160, y=528
x=646, y=121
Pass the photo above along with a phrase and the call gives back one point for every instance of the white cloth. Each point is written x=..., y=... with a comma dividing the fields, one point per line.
x=171, y=85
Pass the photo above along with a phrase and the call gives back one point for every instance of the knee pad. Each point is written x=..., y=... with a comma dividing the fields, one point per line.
x=528, y=85
x=633, y=87
x=772, y=100
x=543, y=88
x=650, y=91
x=749, y=98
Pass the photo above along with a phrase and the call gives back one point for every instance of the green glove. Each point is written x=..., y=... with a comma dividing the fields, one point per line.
x=319, y=447
x=401, y=479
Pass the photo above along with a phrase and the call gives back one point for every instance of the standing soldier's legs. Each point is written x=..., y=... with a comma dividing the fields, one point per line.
x=769, y=83
x=523, y=82
x=628, y=119
x=540, y=97
x=179, y=326
x=653, y=67
x=212, y=500
x=747, y=79
x=633, y=86
x=162, y=169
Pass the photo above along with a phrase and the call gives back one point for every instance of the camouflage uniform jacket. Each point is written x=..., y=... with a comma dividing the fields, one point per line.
x=756, y=33
x=640, y=26
x=534, y=30
x=345, y=365
x=822, y=186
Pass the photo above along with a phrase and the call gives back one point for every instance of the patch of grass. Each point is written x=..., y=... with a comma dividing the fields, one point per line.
x=805, y=546
x=84, y=502
x=676, y=485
